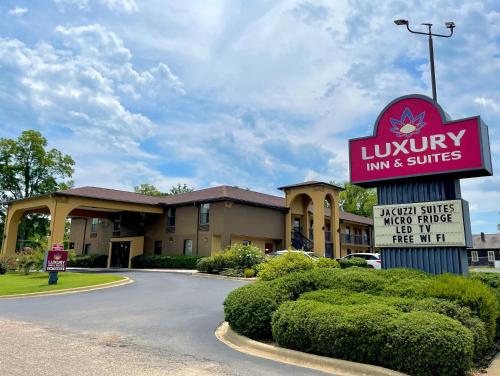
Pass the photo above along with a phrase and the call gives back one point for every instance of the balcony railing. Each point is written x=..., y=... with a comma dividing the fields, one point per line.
x=355, y=239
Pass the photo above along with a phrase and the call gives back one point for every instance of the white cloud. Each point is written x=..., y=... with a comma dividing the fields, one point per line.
x=18, y=11
x=126, y=6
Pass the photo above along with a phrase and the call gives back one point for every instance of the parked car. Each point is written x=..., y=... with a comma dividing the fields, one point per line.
x=283, y=252
x=372, y=259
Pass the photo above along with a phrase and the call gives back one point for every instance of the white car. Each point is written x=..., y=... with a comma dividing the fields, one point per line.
x=372, y=259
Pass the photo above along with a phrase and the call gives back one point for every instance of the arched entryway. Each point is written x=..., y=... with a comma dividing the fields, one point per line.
x=313, y=212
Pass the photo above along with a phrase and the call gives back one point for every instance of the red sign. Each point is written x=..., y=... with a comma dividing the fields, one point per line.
x=55, y=261
x=412, y=137
x=58, y=247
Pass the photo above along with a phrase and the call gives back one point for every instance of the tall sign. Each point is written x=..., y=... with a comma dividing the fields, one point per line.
x=415, y=158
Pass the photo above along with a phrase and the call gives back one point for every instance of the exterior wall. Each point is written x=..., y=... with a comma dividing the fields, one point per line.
x=260, y=225
x=349, y=244
x=81, y=235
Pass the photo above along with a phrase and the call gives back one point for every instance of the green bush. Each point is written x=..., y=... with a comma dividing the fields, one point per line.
x=215, y=264
x=244, y=256
x=469, y=293
x=451, y=309
x=165, y=262
x=421, y=343
x=355, y=261
x=237, y=257
x=30, y=260
x=232, y=273
x=249, y=273
x=356, y=333
x=280, y=266
x=493, y=281
x=324, y=262
x=426, y=343
x=248, y=309
x=3, y=268
x=88, y=261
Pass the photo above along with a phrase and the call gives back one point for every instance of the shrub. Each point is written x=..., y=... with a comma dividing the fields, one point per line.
x=355, y=261
x=493, y=281
x=469, y=293
x=425, y=343
x=88, y=261
x=324, y=262
x=417, y=342
x=165, y=262
x=232, y=273
x=356, y=333
x=249, y=273
x=9, y=262
x=30, y=260
x=235, y=257
x=3, y=268
x=248, y=309
x=451, y=309
x=280, y=266
x=244, y=256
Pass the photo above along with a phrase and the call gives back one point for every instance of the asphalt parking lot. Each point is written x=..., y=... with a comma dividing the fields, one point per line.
x=162, y=324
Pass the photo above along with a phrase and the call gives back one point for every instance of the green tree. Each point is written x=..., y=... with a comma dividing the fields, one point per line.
x=151, y=190
x=178, y=189
x=28, y=168
x=148, y=189
x=357, y=200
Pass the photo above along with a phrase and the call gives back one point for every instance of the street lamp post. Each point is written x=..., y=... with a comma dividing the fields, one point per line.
x=449, y=25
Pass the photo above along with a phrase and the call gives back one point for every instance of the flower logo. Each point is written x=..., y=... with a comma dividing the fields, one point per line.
x=408, y=125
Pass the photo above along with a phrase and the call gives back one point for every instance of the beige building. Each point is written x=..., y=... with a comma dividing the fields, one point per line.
x=125, y=224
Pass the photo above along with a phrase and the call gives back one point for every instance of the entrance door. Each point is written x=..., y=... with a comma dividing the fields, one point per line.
x=120, y=253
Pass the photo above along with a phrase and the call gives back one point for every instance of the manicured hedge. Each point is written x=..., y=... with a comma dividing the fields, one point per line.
x=89, y=261
x=355, y=261
x=493, y=281
x=453, y=310
x=165, y=262
x=248, y=309
x=421, y=343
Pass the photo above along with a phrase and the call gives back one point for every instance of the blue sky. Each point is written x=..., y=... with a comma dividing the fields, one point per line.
x=257, y=94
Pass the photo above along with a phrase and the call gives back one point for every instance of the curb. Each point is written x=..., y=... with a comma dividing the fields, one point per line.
x=218, y=276
x=125, y=281
x=125, y=270
x=297, y=358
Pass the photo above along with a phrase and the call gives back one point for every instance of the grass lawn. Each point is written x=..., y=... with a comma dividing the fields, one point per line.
x=18, y=283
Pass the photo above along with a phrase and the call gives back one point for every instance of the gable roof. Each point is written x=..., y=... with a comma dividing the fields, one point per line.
x=491, y=241
x=311, y=183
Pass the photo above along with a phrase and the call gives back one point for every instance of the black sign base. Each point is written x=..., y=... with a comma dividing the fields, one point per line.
x=435, y=260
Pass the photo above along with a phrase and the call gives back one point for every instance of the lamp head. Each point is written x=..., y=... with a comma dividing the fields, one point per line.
x=401, y=22
x=450, y=25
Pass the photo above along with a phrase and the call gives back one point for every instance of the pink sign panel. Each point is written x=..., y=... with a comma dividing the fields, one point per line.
x=412, y=137
x=56, y=261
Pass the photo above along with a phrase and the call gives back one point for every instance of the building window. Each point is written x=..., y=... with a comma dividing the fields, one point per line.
x=268, y=248
x=171, y=220
x=204, y=214
x=93, y=227
x=86, y=249
x=117, y=224
x=246, y=242
x=188, y=247
x=474, y=255
x=491, y=256
x=158, y=247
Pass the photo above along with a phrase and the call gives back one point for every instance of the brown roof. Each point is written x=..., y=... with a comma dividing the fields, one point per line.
x=311, y=182
x=491, y=241
x=111, y=195
x=225, y=192
x=345, y=216
x=220, y=193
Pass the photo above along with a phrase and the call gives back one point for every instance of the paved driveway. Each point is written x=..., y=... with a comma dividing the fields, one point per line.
x=170, y=315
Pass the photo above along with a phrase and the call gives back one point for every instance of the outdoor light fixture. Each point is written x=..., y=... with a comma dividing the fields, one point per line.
x=449, y=25
x=401, y=22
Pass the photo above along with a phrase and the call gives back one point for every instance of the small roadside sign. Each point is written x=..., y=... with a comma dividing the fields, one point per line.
x=56, y=259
